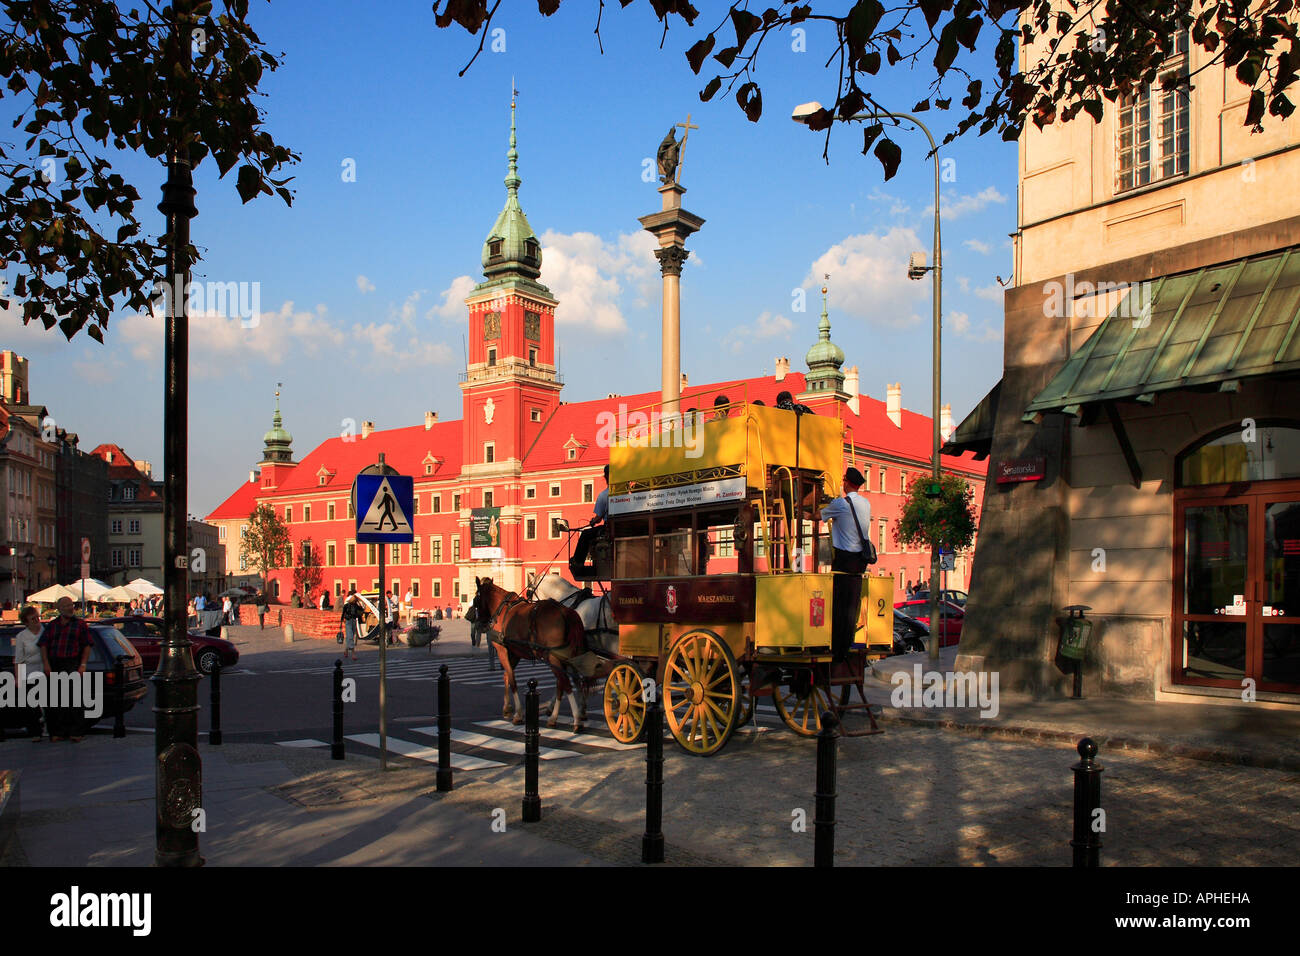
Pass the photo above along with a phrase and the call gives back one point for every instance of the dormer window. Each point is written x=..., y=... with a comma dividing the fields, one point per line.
x=530, y=248
x=494, y=248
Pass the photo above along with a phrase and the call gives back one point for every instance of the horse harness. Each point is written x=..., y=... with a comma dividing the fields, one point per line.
x=495, y=633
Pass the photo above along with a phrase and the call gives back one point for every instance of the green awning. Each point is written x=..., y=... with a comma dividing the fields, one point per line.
x=975, y=433
x=1210, y=328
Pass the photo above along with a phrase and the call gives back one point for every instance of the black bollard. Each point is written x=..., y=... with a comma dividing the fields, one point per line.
x=119, y=718
x=1087, y=799
x=532, y=747
x=824, y=820
x=214, y=735
x=652, y=843
x=336, y=748
x=444, y=730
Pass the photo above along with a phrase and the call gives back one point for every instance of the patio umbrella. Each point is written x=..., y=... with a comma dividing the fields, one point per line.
x=234, y=593
x=94, y=589
x=143, y=587
x=51, y=594
x=122, y=594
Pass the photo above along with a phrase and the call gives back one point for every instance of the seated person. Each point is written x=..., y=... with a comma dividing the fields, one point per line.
x=578, y=563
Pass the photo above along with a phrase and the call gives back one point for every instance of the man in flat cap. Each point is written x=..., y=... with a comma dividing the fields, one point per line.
x=850, y=519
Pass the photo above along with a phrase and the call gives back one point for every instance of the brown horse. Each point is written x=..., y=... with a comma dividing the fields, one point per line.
x=530, y=630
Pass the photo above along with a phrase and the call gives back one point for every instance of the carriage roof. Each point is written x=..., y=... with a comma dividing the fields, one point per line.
x=656, y=451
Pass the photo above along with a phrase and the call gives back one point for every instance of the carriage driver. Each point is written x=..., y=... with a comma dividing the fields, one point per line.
x=577, y=563
x=851, y=518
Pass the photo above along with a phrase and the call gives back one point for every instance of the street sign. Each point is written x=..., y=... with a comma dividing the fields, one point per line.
x=85, y=550
x=385, y=504
x=947, y=561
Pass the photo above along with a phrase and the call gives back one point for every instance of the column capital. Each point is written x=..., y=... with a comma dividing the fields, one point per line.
x=671, y=259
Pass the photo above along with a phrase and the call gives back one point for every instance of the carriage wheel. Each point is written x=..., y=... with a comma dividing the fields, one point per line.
x=803, y=714
x=701, y=688
x=625, y=704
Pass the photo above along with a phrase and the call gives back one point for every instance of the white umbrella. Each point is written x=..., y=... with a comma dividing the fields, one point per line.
x=143, y=587
x=51, y=594
x=94, y=588
x=122, y=594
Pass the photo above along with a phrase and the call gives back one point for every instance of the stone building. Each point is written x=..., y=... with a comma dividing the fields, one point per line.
x=521, y=455
x=1144, y=441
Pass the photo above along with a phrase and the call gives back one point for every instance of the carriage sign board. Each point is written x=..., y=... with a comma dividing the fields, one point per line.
x=678, y=496
x=385, y=504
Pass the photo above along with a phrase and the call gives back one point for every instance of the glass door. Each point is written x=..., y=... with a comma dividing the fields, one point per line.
x=1237, y=589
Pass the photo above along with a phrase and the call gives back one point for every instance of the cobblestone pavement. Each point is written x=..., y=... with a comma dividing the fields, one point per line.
x=912, y=796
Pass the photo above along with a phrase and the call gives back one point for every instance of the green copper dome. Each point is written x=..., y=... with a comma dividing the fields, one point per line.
x=278, y=443
x=824, y=358
x=511, y=248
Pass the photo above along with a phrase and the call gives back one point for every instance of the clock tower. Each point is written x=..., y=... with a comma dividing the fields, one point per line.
x=510, y=386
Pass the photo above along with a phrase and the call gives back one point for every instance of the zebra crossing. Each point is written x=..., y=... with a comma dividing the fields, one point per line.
x=469, y=670
x=495, y=739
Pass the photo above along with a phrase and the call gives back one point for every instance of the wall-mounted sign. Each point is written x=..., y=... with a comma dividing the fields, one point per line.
x=1021, y=469
x=485, y=534
x=679, y=496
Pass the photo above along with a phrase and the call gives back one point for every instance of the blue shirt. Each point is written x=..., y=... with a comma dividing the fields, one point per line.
x=602, y=505
x=200, y=604
x=844, y=533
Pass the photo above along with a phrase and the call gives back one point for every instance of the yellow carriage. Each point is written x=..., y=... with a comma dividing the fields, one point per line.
x=720, y=573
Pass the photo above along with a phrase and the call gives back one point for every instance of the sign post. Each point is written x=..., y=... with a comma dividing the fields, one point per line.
x=85, y=571
x=383, y=502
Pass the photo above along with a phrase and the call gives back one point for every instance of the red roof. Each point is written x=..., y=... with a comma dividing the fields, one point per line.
x=121, y=467
x=238, y=505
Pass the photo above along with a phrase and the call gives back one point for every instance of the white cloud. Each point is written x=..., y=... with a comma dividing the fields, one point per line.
x=993, y=292
x=221, y=344
x=963, y=283
x=869, y=278
x=452, y=306
x=956, y=205
x=588, y=275
x=983, y=248
x=766, y=326
x=364, y=285
x=406, y=311
x=897, y=207
x=960, y=325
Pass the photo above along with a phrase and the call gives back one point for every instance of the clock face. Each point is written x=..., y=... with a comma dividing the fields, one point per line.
x=492, y=326
x=533, y=326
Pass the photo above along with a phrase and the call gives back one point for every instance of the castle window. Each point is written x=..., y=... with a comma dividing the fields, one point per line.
x=494, y=248
x=535, y=414
x=492, y=357
x=530, y=248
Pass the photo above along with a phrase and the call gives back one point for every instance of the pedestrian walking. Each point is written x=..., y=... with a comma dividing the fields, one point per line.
x=65, y=645
x=227, y=611
x=410, y=610
x=350, y=617
x=261, y=610
x=28, y=663
x=390, y=617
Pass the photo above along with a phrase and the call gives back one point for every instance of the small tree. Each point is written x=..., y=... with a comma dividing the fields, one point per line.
x=947, y=521
x=265, y=545
x=307, y=572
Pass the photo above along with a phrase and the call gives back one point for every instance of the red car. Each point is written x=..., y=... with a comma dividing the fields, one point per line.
x=951, y=613
x=146, y=635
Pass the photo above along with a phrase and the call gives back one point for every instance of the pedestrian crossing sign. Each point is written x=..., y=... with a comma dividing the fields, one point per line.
x=385, y=504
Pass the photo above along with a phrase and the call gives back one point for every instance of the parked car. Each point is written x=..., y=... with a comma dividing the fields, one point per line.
x=951, y=613
x=108, y=646
x=956, y=597
x=147, y=635
x=909, y=633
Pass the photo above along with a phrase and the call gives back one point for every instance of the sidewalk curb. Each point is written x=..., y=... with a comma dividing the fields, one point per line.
x=1153, y=745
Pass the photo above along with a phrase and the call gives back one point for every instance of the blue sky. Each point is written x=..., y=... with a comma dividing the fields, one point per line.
x=360, y=283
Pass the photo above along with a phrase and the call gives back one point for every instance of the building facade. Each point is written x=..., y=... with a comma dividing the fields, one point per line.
x=1149, y=394
x=135, y=517
x=524, y=462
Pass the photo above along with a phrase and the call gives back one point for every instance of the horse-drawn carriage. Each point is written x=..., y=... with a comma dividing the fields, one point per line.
x=719, y=575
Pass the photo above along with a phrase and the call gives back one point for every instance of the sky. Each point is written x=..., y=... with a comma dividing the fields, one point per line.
x=358, y=288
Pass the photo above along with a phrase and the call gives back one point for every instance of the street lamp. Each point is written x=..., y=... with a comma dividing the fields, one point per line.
x=28, y=558
x=51, y=561
x=916, y=269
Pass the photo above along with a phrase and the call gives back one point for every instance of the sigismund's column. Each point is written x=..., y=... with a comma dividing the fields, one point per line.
x=671, y=226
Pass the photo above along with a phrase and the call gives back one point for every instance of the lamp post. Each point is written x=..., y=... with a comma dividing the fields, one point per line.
x=52, y=562
x=28, y=558
x=917, y=269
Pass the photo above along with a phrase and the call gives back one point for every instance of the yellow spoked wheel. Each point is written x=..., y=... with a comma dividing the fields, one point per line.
x=625, y=704
x=701, y=688
x=803, y=714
